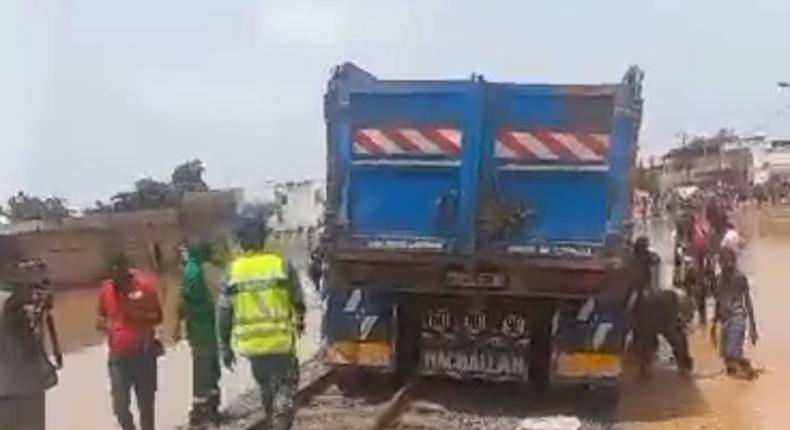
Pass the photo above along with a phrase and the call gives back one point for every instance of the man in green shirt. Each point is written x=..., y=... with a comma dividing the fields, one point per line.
x=198, y=313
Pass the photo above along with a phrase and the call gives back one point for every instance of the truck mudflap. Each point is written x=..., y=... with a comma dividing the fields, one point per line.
x=588, y=341
x=358, y=328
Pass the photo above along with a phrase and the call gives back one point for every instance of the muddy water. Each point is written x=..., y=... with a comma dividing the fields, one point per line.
x=81, y=399
x=712, y=400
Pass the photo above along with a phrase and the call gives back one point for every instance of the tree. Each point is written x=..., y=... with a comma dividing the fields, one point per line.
x=99, y=207
x=23, y=207
x=188, y=177
x=148, y=193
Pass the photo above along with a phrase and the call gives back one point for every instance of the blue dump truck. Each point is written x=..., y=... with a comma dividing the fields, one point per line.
x=477, y=229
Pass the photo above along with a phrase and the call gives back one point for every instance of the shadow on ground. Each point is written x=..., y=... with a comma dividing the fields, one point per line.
x=595, y=407
x=663, y=396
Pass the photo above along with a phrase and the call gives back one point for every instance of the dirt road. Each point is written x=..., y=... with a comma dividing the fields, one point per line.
x=81, y=399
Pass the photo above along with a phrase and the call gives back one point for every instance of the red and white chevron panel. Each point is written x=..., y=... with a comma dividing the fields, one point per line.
x=404, y=140
x=563, y=147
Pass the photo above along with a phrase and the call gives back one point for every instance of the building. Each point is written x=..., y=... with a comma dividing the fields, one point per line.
x=299, y=205
x=703, y=162
x=776, y=163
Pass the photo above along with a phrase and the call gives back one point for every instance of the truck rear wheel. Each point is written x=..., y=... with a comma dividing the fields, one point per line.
x=406, y=342
x=540, y=349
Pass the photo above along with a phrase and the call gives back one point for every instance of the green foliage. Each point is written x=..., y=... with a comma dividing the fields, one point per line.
x=188, y=177
x=25, y=207
x=149, y=193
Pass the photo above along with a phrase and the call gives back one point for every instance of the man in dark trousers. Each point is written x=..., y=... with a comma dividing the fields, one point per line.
x=316, y=268
x=734, y=310
x=655, y=311
x=197, y=310
x=261, y=312
x=129, y=310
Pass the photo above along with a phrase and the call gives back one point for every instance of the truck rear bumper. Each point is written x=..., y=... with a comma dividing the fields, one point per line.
x=376, y=354
x=474, y=338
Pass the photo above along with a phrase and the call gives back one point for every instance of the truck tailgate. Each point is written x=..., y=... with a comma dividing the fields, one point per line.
x=463, y=167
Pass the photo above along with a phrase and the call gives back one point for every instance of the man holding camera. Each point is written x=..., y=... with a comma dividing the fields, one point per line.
x=25, y=370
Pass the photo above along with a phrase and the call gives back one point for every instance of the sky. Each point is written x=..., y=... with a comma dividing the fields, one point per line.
x=95, y=94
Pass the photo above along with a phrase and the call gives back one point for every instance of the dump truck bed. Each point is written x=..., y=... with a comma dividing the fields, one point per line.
x=452, y=169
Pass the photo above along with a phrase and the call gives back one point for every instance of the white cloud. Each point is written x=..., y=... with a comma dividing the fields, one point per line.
x=315, y=24
x=322, y=24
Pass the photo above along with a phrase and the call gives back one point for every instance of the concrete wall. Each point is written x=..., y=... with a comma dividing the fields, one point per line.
x=149, y=238
x=75, y=249
x=139, y=234
x=208, y=215
x=73, y=256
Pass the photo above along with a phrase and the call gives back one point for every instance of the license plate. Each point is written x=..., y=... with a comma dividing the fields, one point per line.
x=475, y=280
x=485, y=364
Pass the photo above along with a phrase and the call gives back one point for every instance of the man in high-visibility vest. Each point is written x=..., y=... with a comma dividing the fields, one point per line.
x=262, y=310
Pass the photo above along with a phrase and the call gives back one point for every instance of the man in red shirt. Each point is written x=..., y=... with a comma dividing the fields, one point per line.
x=129, y=310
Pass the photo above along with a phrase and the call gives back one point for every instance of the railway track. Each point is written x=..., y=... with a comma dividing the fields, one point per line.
x=374, y=404
x=368, y=403
x=326, y=400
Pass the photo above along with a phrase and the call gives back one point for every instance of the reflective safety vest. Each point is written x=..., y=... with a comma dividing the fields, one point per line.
x=263, y=309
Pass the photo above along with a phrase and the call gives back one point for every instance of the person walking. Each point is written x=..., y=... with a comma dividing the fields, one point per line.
x=197, y=310
x=129, y=310
x=261, y=310
x=655, y=311
x=700, y=238
x=734, y=309
x=316, y=268
x=732, y=239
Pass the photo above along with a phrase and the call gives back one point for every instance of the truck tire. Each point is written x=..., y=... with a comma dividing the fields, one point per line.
x=407, y=336
x=540, y=349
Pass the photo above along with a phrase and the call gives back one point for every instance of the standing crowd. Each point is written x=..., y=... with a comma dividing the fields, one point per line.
x=258, y=314
x=707, y=250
